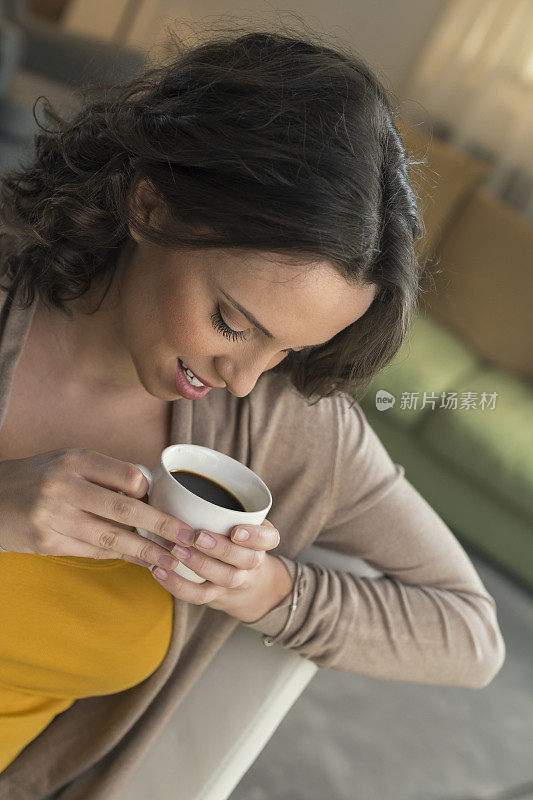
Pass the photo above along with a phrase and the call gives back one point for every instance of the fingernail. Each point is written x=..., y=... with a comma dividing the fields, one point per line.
x=181, y=552
x=204, y=540
x=186, y=536
x=168, y=562
x=162, y=574
x=240, y=535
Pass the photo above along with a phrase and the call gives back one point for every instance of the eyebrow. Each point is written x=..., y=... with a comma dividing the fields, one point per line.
x=250, y=317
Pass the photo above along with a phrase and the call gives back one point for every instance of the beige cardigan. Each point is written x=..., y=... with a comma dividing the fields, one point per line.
x=428, y=620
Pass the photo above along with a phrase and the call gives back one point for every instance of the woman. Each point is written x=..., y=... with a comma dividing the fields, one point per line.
x=243, y=212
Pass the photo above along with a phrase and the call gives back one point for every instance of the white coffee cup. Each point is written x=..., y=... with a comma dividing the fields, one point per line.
x=167, y=494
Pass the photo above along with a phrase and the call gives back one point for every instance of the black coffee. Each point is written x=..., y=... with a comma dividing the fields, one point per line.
x=207, y=489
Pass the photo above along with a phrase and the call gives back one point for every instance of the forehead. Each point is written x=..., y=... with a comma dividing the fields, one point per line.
x=277, y=271
x=300, y=300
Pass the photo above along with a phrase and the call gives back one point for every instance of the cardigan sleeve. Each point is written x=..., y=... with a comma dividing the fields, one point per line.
x=428, y=619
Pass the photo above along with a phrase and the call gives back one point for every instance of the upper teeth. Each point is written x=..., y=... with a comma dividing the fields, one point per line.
x=191, y=376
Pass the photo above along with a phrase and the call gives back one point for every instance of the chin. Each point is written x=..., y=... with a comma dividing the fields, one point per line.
x=153, y=384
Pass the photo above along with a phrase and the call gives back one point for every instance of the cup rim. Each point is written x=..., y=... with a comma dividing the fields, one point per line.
x=239, y=464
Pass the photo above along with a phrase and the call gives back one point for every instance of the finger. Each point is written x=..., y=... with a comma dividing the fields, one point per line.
x=190, y=592
x=218, y=572
x=221, y=547
x=133, y=560
x=138, y=561
x=107, y=538
x=74, y=548
x=106, y=471
x=69, y=546
x=128, y=511
x=260, y=537
x=112, y=476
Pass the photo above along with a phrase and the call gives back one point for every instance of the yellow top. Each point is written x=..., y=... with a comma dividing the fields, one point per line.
x=72, y=628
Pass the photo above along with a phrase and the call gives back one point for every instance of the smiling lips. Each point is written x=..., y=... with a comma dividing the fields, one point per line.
x=192, y=377
x=187, y=384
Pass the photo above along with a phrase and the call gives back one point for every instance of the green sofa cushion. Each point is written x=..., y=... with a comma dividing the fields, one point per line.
x=431, y=360
x=493, y=447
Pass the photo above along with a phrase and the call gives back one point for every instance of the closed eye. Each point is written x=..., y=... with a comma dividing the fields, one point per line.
x=222, y=327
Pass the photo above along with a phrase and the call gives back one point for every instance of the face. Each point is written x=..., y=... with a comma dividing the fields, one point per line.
x=183, y=304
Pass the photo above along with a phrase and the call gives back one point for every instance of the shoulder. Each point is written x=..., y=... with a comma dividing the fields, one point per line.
x=279, y=412
x=277, y=422
x=275, y=395
x=332, y=434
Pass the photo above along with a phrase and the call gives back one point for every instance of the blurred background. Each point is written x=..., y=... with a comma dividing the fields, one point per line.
x=456, y=405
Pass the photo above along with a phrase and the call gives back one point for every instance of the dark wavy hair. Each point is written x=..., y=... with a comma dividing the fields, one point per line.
x=258, y=140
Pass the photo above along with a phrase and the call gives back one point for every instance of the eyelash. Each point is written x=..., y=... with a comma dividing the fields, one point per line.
x=219, y=325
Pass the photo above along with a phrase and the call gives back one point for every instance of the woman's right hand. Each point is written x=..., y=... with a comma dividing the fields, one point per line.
x=77, y=502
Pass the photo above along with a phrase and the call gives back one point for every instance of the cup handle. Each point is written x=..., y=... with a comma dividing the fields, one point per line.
x=148, y=475
x=181, y=569
x=150, y=478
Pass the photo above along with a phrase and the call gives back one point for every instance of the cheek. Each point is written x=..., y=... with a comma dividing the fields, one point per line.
x=187, y=330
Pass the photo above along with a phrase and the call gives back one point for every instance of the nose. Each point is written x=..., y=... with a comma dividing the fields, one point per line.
x=241, y=377
x=241, y=386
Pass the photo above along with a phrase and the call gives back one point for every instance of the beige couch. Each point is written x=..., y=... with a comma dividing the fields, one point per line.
x=474, y=334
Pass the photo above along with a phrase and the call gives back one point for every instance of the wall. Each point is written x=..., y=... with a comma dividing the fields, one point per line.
x=389, y=34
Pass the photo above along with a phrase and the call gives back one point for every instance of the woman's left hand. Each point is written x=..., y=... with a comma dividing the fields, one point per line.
x=238, y=574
